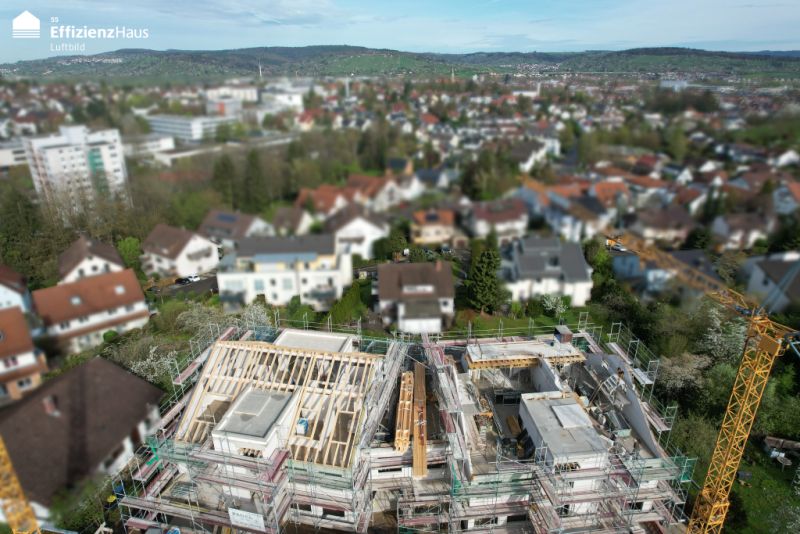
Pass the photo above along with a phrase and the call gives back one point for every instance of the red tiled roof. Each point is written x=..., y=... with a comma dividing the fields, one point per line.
x=12, y=279
x=607, y=192
x=423, y=217
x=14, y=335
x=94, y=294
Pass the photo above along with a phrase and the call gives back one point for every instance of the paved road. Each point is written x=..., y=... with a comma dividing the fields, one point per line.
x=201, y=286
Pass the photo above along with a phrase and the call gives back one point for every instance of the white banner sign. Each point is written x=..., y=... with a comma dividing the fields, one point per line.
x=248, y=520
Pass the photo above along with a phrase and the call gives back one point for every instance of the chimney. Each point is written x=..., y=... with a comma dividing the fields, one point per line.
x=438, y=265
x=50, y=404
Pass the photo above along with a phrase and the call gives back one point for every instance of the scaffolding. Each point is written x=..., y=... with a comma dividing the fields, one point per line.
x=188, y=478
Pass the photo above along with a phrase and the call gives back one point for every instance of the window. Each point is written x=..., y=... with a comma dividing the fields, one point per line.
x=275, y=297
x=11, y=361
x=64, y=325
x=75, y=300
x=83, y=319
x=112, y=311
x=259, y=286
x=94, y=268
x=287, y=283
x=25, y=383
x=119, y=290
x=129, y=308
x=272, y=282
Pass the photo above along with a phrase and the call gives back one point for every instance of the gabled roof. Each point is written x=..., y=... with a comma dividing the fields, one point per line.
x=319, y=244
x=393, y=277
x=350, y=213
x=12, y=279
x=98, y=404
x=439, y=217
x=608, y=191
x=87, y=296
x=369, y=186
x=83, y=248
x=14, y=335
x=323, y=198
x=167, y=241
x=226, y=224
x=509, y=209
x=288, y=218
x=776, y=270
x=550, y=258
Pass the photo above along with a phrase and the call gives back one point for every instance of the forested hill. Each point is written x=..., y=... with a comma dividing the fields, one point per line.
x=358, y=61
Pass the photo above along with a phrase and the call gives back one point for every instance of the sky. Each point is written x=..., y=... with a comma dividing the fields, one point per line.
x=412, y=25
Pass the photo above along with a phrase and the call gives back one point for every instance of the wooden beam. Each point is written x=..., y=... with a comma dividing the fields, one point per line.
x=420, y=446
x=402, y=434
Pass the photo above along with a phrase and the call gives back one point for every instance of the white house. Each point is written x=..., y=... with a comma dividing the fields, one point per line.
x=539, y=266
x=356, y=230
x=148, y=145
x=529, y=154
x=226, y=228
x=279, y=268
x=292, y=220
x=508, y=218
x=77, y=314
x=766, y=274
x=740, y=231
x=170, y=251
x=13, y=290
x=419, y=297
x=379, y=193
x=87, y=257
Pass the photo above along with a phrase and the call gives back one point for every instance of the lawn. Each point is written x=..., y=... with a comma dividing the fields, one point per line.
x=483, y=322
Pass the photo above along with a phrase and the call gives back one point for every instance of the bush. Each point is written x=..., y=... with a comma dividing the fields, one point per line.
x=110, y=335
x=533, y=308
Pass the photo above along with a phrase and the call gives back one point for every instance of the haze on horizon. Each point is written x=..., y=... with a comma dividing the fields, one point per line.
x=448, y=26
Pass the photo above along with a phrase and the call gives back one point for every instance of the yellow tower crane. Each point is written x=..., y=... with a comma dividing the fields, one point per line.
x=18, y=512
x=766, y=341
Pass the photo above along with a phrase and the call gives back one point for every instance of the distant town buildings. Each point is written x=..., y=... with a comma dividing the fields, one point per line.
x=188, y=129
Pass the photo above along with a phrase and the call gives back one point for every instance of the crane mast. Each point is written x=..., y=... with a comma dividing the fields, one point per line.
x=18, y=512
x=765, y=342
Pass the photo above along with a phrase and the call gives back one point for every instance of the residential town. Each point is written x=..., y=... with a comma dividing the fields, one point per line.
x=546, y=244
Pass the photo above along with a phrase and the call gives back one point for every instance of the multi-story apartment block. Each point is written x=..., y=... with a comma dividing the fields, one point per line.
x=76, y=315
x=12, y=153
x=187, y=129
x=77, y=164
x=279, y=268
x=21, y=364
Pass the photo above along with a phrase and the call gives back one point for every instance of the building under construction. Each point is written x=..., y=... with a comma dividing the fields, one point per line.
x=544, y=431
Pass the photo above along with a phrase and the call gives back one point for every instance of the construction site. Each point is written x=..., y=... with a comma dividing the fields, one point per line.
x=278, y=429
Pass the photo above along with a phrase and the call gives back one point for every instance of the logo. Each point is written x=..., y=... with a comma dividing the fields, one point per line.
x=25, y=26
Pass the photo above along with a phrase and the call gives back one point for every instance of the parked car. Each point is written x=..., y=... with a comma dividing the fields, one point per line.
x=193, y=278
x=183, y=281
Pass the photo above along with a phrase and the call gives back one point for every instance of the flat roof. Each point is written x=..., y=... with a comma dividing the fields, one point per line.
x=313, y=340
x=564, y=426
x=254, y=414
x=540, y=347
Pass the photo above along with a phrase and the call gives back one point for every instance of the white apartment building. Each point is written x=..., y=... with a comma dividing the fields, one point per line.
x=170, y=251
x=279, y=268
x=77, y=162
x=146, y=146
x=12, y=153
x=77, y=315
x=245, y=93
x=186, y=128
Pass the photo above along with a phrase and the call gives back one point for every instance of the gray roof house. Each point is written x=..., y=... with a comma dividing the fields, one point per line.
x=537, y=266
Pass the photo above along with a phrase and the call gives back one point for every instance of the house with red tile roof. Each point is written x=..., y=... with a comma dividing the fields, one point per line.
x=13, y=290
x=326, y=199
x=22, y=364
x=77, y=314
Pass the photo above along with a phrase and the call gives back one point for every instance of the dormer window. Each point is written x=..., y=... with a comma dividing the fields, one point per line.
x=119, y=290
x=75, y=301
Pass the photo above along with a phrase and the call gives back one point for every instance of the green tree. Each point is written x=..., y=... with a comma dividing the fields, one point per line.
x=417, y=255
x=677, y=143
x=223, y=179
x=397, y=241
x=485, y=291
x=698, y=238
x=348, y=308
x=253, y=187
x=130, y=249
